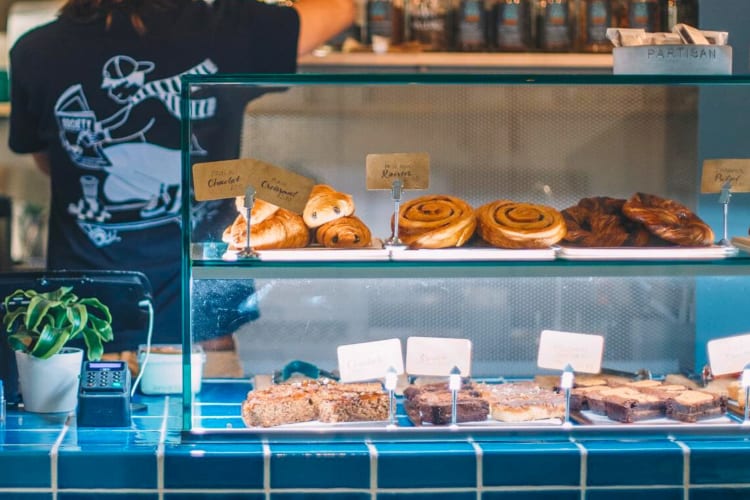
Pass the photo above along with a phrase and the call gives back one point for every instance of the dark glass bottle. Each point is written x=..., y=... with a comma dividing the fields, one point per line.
x=687, y=12
x=645, y=14
x=512, y=25
x=594, y=17
x=385, y=18
x=471, y=25
x=555, y=29
x=430, y=23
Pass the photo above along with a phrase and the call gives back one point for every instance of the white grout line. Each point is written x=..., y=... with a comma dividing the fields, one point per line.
x=479, y=454
x=373, y=469
x=685, y=468
x=54, y=454
x=584, y=466
x=266, y=469
x=160, y=450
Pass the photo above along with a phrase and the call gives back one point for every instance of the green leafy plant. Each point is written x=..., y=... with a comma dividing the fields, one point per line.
x=40, y=324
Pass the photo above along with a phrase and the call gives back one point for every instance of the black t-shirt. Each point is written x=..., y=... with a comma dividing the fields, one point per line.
x=104, y=103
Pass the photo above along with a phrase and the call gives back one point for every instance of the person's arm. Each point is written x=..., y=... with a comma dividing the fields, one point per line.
x=41, y=160
x=320, y=20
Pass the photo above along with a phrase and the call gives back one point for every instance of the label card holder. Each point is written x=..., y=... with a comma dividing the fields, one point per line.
x=436, y=356
x=227, y=179
x=413, y=169
x=369, y=360
x=729, y=354
x=718, y=172
x=581, y=351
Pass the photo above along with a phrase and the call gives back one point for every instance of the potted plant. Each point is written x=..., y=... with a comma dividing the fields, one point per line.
x=39, y=326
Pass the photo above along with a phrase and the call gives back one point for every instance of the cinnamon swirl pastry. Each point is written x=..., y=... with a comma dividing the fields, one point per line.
x=599, y=222
x=326, y=204
x=436, y=221
x=509, y=224
x=345, y=232
x=283, y=229
x=669, y=220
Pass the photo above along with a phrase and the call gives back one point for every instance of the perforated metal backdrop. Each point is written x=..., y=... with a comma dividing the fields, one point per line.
x=551, y=145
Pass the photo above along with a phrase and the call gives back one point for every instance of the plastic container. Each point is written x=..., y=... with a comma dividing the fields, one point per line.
x=162, y=373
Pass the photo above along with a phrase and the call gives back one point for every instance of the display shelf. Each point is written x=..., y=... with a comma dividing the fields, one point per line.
x=323, y=61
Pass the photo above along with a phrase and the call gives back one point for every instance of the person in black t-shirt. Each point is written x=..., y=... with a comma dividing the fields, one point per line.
x=95, y=98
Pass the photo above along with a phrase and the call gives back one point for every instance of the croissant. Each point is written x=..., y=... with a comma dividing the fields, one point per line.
x=508, y=224
x=345, y=232
x=668, y=220
x=260, y=211
x=326, y=204
x=436, y=221
x=283, y=229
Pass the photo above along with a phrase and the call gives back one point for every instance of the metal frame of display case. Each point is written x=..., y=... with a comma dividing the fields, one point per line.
x=216, y=268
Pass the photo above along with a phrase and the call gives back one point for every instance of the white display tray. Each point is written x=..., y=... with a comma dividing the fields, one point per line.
x=375, y=252
x=471, y=254
x=596, y=419
x=647, y=253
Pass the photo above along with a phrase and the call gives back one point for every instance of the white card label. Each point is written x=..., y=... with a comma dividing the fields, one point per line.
x=729, y=354
x=369, y=360
x=435, y=356
x=581, y=351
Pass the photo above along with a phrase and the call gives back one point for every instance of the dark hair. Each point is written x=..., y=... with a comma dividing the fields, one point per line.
x=87, y=11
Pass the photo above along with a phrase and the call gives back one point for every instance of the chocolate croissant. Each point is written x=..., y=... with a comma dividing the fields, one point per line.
x=326, y=204
x=345, y=232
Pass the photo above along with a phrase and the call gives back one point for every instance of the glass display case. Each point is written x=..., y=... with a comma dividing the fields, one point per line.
x=549, y=140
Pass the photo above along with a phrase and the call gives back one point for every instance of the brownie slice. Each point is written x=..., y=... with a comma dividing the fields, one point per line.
x=596, y=400
x=433, y=405
x=629, y=407
x=692, y=406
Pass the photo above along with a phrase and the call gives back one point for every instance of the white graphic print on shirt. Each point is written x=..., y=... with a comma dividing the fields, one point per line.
x=129, y=183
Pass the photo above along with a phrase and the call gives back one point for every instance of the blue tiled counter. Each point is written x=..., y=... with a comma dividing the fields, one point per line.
x=48, y=456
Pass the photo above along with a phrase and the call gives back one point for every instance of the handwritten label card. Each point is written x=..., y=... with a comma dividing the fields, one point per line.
x=717, y=172
x=729, y=354
x=412, y=168
x=227, y=179
x=581, y=351
x=369, y=360
x=434, y=356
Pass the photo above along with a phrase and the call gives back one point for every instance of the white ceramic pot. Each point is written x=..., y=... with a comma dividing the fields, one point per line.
x=50, y=385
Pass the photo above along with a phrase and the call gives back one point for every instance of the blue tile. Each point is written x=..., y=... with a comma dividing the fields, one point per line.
x=17, y=495
x=429, y=465
x=417, y=495
x=626, y=463
x=532, y=495
x=111, y=495
x=29, y=437
x=322, y=496
x=30, y=465
x=214, y=466
x=640, y=494
x=719, y=462
x=214, y=496
x=719, y=493
x=326, y=465
x=518, y=464
x=107, y=467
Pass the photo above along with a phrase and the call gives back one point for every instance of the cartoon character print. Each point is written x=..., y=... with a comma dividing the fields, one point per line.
x=128, y=183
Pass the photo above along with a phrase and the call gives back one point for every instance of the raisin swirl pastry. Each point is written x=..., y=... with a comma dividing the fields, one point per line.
x=599, y=222
x=326, y=204
x=436, y=221
x=344, y=232
x=509, y=224
x=669, y=220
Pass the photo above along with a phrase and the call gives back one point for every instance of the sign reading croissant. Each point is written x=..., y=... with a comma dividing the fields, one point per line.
x=228, y=179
